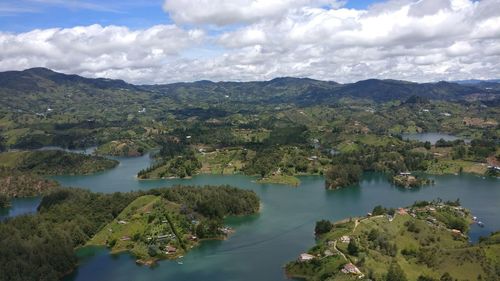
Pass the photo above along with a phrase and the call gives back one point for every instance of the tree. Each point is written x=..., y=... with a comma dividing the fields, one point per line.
x=379, y=210
x=446, y=277
x=342, y=175
x=395, y=273
x=323, y=226
x=3, y=146
x=352, y=248
x=427, y=145
x=425, y=278
x=4, y=201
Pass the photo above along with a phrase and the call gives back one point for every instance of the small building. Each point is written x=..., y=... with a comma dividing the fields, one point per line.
x=456, y=232
x=313, y=158
x=345, y=239
x=226, y=230
x=170, y=249
x=351, y=268
x=402, y=211
x=328, y=253
x=304, y=257
x=165, y=236
x=122, y=222
x=405, y=174
x=125, y=238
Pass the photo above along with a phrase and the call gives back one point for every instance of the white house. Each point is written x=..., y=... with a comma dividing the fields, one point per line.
x=305, y=257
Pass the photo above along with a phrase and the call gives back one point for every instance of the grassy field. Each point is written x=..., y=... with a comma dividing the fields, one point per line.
x=128, y=148
x=145, y=228
x=224, y=161
x=448, y=166
x=12, y=160
x=281, y=179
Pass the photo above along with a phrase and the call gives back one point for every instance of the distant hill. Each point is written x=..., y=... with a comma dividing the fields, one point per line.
x=476, y=81
x=305, y=91
x=41, y=91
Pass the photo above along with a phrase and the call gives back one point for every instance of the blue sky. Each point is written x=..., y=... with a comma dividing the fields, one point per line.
x=25, y=15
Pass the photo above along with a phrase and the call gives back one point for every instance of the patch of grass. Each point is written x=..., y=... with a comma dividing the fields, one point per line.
x=443, y=166
x=280, y=179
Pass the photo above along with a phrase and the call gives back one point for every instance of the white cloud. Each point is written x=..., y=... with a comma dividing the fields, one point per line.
x=422, y=40
x=96, y=49
x=224, y=12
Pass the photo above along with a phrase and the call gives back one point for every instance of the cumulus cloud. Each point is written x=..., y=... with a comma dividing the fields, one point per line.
x=418, y=40
x=95, y=49
x=224, y=12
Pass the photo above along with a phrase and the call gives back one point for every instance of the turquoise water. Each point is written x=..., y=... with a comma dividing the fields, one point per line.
x=20, y=206
x=431, y=137
x=283, y=229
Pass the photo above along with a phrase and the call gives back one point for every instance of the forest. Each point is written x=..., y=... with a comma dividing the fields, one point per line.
x=43, y=244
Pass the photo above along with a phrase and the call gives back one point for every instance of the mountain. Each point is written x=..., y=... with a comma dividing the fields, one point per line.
x=475, y=81
x=39, y=90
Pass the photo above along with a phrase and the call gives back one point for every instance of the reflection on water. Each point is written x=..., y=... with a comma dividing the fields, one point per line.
x=432, y=137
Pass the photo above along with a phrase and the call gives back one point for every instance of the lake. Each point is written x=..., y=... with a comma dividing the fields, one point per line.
x=283, y=229
x=20, y=206
x=431, y=137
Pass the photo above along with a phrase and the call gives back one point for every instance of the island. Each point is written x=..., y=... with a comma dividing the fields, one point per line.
x=425, y=241
x=70, y=218
x=24, y=173
x=55, y=162
x=167, y=226
x=124, y=148
x=407, y=180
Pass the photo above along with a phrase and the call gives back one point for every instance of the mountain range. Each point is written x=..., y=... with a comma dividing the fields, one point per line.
x=39, y=89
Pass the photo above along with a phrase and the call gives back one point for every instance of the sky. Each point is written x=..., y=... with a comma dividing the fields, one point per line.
x=163, y=41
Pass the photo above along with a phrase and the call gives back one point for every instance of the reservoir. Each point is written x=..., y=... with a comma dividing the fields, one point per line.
x=283, y=229
x=431, y=137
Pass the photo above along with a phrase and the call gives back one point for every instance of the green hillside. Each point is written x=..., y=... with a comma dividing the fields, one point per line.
x=427, y=240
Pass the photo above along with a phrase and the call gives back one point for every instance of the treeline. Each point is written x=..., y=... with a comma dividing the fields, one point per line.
x=57, y=162
x=342, y=175
x=4, y=201
x=388, y=159
x=348, y=167
x=14, y=183
x=476, y=150
x=214, y=202
x=175, y=158
x=263, y=163
x=41, y=246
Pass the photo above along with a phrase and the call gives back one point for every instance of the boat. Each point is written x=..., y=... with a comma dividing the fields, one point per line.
x=480, y=223
x=179, y=262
